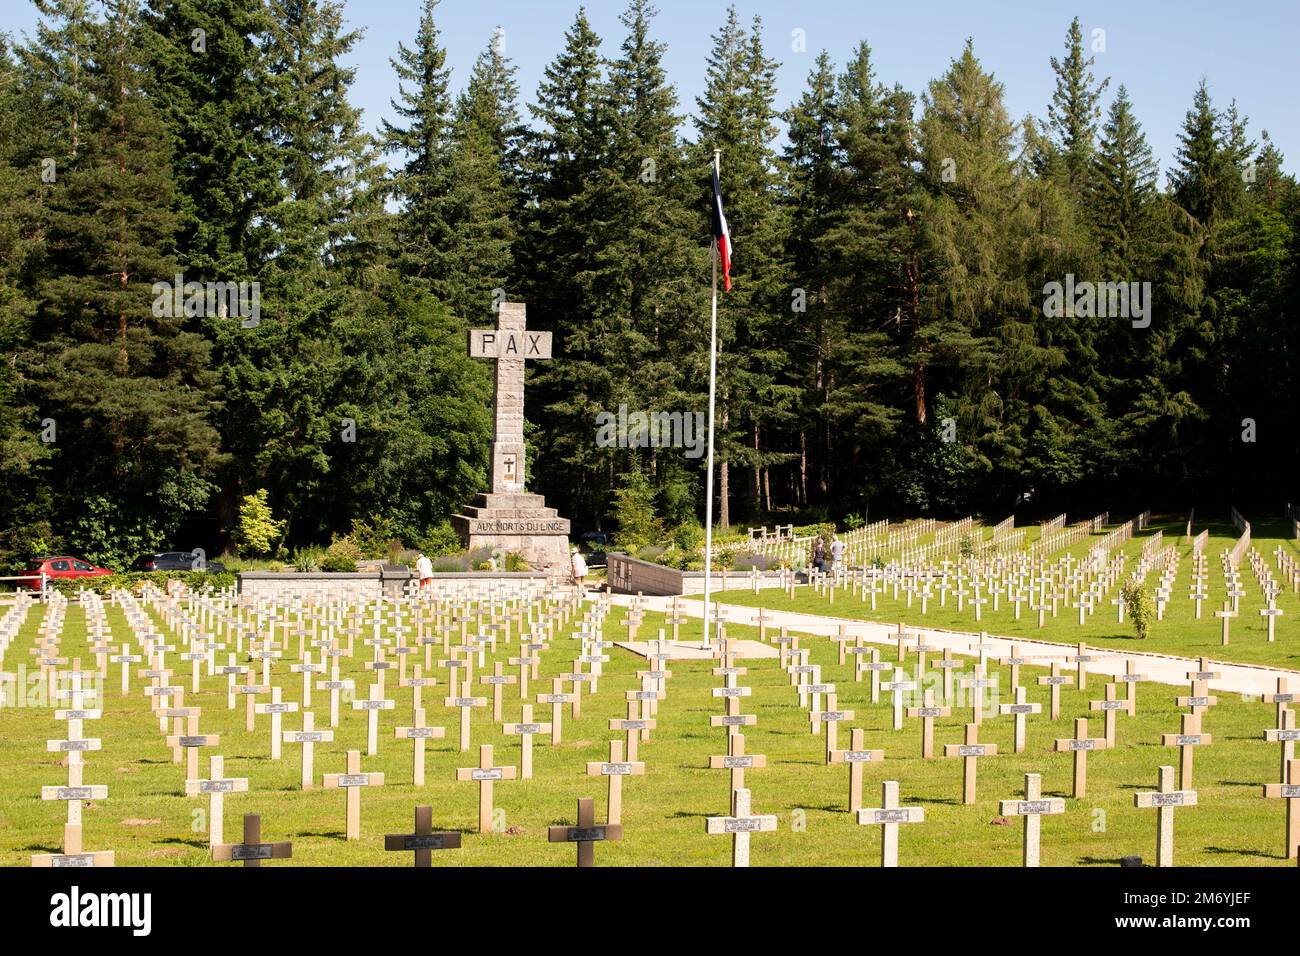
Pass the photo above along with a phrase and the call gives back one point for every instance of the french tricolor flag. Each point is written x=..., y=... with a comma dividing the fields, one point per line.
x=721, y=234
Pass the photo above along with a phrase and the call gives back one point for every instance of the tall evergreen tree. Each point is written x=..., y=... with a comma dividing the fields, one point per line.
x=123, y=380
x=25, y=509
x=209, y=77
x=873, y=250
x=482, y=206
x=565, y=170
x=422, y=139
x=1205, y=182
x=1124, y=191
x=1075, y=109
x=736, y=115
x=651, y=298
x=976, y=314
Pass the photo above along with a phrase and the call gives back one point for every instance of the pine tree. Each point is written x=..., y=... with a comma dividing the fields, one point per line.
x=423, y=143
x=736, y=115
x=482, y=206
x=1124, y=190
x=208, y=74
x=813, y=160
x=977, y=320
x=1206, y=181
x=57, y=63
x=564, y=169
x=128, y=387
x=1074, y=110
x=872, y=247
x=24, y=509
x=645, y=291
x=280, y=379
x=1269, y=184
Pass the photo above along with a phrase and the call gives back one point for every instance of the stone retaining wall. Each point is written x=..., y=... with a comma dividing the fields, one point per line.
x=322, y=586
x=627, y=575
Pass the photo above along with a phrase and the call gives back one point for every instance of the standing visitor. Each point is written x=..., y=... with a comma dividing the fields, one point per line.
x=424, y=570
x=579, y=565
x=837, y=552
x=819, y=554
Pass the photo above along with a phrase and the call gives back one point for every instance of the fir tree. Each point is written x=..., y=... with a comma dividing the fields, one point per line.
x=124, y=380
x=736, y=115
x=482, y=204
x=423, y=143
x=565, y=169
x=1075, y=111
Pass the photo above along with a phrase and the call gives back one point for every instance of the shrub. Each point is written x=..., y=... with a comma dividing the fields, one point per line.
x=1138, y=604
x=751, y=560
x=515, y=562
x=689, y=536
x=967, y=547
x=135, y=580
x=634, y=511
x=441, y=539
x=341, y=556
x=258, y=528
x=651, y=552
x=23, y=542
x=307, y=560
x=374, y=537
x=450, y=563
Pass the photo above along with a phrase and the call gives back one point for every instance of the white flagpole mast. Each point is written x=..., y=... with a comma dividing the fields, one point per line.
x=713, y=388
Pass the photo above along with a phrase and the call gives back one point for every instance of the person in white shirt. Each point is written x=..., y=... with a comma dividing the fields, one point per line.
x=424, y=570
x=837, y=552
x=579, y=566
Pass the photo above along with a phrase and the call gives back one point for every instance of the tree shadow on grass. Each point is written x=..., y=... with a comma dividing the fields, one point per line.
x=178, y=841
x=1102, y=860
x=40, y=848
x=1231, y=851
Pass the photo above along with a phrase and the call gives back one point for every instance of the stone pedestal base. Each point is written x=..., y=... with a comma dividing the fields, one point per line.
x=517, y=522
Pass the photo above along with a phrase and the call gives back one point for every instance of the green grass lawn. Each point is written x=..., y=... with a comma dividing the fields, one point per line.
x=1179, y=633
x=148, y=821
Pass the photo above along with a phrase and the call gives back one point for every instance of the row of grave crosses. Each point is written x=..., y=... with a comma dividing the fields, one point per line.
x=1173, y=791
x=252, y=850
x=1022, y=583
x=1044, y=588
x=167, y=700
x=168, y=703
x=10, y=623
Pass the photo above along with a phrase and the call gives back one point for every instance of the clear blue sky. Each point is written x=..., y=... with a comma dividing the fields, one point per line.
x=1160, y=49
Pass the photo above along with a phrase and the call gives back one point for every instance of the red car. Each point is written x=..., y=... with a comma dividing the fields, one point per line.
x=60, y=566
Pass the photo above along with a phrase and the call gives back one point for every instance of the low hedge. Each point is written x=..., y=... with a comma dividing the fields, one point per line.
x=132, y=580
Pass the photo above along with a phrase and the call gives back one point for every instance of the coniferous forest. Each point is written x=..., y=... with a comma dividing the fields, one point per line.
x=890, y=345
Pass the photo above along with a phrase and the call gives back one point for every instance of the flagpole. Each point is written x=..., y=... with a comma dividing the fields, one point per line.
x=713, y=389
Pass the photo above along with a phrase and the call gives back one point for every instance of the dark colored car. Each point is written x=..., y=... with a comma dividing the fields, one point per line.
x=593, y=545
x=59, y=567
x=176, y=561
